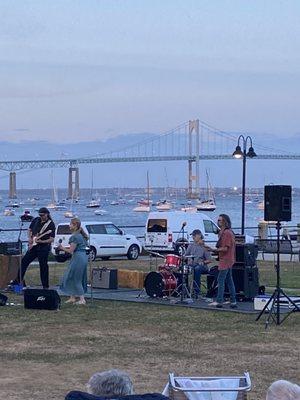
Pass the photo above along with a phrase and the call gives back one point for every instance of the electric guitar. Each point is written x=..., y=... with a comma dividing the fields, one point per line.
x=35, y=238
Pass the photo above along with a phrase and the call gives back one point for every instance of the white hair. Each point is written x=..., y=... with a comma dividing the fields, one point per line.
x=283, y=390
x=110, y=383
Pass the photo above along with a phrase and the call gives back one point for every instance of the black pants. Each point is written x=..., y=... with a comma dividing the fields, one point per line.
x=41, y=252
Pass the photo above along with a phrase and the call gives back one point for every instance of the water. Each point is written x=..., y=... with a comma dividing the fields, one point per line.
x=122, y=214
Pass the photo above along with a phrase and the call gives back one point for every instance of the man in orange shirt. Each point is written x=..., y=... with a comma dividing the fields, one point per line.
x=225, y=248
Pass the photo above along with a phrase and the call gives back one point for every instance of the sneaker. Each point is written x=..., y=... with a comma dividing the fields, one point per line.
x=216, y=304
x=209, y=300
x=233, y=305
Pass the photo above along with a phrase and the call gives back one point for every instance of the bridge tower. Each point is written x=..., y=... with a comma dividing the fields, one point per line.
x=12, y=193
x=73, y=183
x=193, y=162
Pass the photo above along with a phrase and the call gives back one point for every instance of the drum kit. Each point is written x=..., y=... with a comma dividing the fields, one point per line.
x=170, y=279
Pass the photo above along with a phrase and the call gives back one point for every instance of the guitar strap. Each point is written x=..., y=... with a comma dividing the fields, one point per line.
x=44, y=227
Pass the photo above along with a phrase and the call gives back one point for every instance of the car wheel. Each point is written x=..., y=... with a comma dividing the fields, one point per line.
x=92, y=254
x=133, y=252
x=105, y=258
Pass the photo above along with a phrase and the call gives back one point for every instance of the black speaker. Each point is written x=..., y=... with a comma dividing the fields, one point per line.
x=41, y=299
x=245, y=281
x=3, y=299
x=246, y=254
x=278, y=203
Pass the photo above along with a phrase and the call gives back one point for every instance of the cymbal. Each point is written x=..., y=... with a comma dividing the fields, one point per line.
x=156, y=254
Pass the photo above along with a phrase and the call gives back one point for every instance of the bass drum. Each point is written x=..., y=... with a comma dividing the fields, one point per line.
x=160, y=284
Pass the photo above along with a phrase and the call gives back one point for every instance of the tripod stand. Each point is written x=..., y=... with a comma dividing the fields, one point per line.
x=274, y=301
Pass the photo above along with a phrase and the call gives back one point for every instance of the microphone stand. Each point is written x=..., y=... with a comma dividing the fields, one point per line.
x=19, y=241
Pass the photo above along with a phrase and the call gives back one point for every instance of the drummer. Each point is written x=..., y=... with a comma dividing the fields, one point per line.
x=199, y=260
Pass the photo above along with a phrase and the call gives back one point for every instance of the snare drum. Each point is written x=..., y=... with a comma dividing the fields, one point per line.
x=160, y=284
x=173, y=261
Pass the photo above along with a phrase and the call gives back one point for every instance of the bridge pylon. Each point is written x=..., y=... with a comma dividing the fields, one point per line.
x=12, y=192
x=193, y=162
x=73, y=183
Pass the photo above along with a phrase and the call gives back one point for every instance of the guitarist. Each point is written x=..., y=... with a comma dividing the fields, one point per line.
x=41, y=234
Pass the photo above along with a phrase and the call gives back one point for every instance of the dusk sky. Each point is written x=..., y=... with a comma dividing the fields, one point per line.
x=93, y=69
x=85, y=70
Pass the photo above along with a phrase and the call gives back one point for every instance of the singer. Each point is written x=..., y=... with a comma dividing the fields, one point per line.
x=74, y=282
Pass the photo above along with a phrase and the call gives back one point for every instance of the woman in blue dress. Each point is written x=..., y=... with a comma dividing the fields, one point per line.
x=74, y=282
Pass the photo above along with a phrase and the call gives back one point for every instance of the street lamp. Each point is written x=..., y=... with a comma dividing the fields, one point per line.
x=242, y=153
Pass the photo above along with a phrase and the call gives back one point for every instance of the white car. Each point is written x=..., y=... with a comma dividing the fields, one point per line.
x=105, y=240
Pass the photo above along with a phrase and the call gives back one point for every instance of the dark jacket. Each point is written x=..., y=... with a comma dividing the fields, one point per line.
x=76, y=395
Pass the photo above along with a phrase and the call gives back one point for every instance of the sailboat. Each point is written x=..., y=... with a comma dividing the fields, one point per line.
x=70, y=213
x=209, y=204
x=55, y=205
x=144, y=205
x=93, y=203
x=165, y=205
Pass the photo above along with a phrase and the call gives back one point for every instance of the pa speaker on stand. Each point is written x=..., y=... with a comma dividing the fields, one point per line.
x=278, y=203
x=278, y=207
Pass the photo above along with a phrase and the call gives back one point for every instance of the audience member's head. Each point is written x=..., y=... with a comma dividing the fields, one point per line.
x=110, y=383
x=283, y=390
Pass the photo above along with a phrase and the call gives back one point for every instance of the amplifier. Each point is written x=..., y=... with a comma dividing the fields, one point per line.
x=103, y=278
x=245, y=281
x=10, y=248
x=246, y=254
x=41, y=299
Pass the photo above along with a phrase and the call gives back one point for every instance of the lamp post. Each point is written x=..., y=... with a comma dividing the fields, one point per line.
x=242, y=153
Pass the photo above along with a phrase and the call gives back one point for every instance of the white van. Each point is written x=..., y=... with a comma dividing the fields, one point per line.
x=163, y=229
x=105, y=239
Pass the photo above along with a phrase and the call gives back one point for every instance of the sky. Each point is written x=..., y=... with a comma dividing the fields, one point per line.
x=86, y=70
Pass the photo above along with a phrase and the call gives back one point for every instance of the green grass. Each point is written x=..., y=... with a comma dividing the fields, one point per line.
x=50, y=353
x=45, y=354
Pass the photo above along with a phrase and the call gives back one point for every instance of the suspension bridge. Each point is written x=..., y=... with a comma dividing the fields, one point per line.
x=192, y=141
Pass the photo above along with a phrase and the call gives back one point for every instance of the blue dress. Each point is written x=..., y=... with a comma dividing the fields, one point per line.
x=74, y=282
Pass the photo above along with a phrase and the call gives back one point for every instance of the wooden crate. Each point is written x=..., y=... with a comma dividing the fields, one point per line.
x=9, y=266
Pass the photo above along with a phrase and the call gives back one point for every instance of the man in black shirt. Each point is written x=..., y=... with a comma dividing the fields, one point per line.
x=41, y=234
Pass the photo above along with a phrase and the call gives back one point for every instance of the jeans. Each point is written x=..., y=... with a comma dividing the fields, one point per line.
x=41, y=253
x=198, y=270
x=225, y=275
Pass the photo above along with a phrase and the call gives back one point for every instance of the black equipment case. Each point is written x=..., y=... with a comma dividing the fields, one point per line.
x=41, y=299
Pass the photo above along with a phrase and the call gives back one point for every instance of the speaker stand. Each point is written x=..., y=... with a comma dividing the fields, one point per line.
x=278, y=294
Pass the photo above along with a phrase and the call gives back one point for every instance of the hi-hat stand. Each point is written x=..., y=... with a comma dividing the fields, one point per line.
x=183, y=288
x=273, y=304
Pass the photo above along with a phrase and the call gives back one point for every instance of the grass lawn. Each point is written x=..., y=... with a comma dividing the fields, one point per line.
x=45, y=354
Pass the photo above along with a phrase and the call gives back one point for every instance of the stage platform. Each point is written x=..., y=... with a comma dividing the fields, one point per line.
x=140, y=296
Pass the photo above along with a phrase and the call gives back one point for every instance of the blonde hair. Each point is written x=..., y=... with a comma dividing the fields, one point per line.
x=283, y=390
x=76, y=221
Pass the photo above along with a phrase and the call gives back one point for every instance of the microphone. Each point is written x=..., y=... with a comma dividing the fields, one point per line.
x=183, y=224
x=59, y=241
